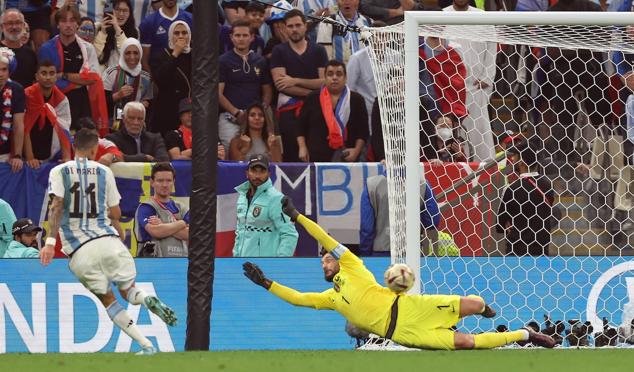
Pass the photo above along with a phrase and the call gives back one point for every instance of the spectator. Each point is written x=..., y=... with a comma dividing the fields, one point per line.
x=179, y=141
x=154, y=37
x=7, y=218
x=277, y=26
x=361, y=80
x=442, y=94
x=87, y=29
x=256, y=137
x=107, y=151
x=172, y=75
x=97, y=9
x=234, y=10
x=338, y=46
x=376, y=149
x=12, y=122
x=24, y=243
x=479, y=58
x=47, y=119
x=318, y=8
x=13, y=27
x=254, y=18
x=388, y=11
x=116, y=27
x=78, y=66
x=525, y=215
x=334, y=122
x=25, y=38
x=137, y=144
x=374, y=230
x=263, y=230
x=297, y=68
x=161, y=223
x=37, y=15
x=244, y=79
x=126, y=82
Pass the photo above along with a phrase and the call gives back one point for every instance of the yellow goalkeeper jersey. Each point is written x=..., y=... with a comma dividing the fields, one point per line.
x=355, y=294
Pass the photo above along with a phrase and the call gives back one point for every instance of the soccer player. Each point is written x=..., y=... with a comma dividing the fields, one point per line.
x=85, y=210
x=420, y=321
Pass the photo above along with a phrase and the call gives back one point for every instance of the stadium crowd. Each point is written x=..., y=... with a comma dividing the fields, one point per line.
x=292, y=87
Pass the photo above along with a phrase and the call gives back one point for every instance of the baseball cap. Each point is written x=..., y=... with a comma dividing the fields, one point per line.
x=259, y=160
x=278, y=14
x=185, y=105
x=24, y=225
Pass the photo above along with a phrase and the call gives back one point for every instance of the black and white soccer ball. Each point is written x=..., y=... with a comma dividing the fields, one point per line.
x=399, y=278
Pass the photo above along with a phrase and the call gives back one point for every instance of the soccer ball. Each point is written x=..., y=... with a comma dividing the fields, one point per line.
x=399, y=278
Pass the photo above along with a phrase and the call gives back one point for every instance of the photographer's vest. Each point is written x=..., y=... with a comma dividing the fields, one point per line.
x=170, y=246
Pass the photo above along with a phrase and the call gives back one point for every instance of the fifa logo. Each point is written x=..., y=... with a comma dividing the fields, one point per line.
x=600, y=284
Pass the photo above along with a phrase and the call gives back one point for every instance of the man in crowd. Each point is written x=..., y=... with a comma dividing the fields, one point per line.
x=47, y=119
x=388, y=11
x=297, y=67
x=342, y=46
x=334, y=122
x=263, y=230
x=479, y=58
x=162, y=223
x=153, y=29
x=12, y=121
x=243, y=80
x=12, y=29
x=24, y=243
x=77, y=67
x=136, y=143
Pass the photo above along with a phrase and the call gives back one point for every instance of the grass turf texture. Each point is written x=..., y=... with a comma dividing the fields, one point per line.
x=345, y=361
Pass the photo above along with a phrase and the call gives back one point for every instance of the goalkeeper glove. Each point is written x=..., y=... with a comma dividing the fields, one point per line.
x=289, y=208
x=255, y=274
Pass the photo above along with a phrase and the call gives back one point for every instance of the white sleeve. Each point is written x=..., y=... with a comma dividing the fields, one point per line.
x=112, y=194
x=108, y=79
x=56, y=182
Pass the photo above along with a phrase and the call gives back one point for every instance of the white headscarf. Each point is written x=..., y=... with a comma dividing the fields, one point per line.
x=127, y=43
x=171, y=32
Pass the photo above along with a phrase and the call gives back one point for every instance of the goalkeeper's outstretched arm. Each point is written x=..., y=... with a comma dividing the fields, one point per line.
x=310, y=299
x=313, y=228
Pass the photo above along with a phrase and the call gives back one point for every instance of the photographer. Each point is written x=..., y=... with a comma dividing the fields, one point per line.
x=626, y=333
x=333, y=125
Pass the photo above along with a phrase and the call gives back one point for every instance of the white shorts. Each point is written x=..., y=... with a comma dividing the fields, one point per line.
x=103, y=261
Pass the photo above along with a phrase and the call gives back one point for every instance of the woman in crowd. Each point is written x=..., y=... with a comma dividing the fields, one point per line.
x=125, y=81
x=172, y=75
x=115, y=29
x=86, y=29
x=256, y=137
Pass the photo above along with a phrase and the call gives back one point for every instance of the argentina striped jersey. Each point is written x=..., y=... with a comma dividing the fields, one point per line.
x=88, y=189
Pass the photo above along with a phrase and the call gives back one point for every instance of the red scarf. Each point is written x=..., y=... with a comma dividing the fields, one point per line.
x=335, y=135
x=37, y=111
x=96, y=93
x=187, y=136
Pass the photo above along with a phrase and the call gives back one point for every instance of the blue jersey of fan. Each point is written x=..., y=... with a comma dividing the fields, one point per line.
x=88, y=189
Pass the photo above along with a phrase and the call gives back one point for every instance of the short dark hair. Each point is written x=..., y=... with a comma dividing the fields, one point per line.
x=241, y=23
x=87, y=123
x=163, y=167
x=294, y=13
x=65, y=10
x=45, y=63
x=254, y=6
x=85, y=139
x=335, y=63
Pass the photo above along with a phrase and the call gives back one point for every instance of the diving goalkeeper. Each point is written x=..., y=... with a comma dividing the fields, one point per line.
x=420, y=321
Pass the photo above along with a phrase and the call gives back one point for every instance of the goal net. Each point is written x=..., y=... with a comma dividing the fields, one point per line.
x=520, y=123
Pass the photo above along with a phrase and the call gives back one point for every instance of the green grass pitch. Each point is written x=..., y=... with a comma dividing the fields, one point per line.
x=596, y=360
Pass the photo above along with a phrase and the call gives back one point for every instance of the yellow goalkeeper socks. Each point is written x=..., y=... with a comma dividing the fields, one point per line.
x=491, y=340
x=318, y=233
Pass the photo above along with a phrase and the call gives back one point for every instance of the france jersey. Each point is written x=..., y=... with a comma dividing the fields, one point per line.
x=88, y=189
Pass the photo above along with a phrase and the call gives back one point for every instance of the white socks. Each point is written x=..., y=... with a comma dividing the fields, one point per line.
x=122, y=319
x=136, y=296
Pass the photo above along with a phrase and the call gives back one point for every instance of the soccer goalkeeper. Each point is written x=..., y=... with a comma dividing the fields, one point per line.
x=421, y=321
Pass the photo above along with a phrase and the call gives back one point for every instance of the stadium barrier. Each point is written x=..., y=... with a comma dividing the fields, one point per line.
x=329, y=193
x=47, y=310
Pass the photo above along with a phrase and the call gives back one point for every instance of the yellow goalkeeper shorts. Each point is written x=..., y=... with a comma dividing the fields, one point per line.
x=424, y=321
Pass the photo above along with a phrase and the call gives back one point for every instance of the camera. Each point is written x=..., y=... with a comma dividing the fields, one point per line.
x=578, y=333
x=607, y=337
x=554, y=330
